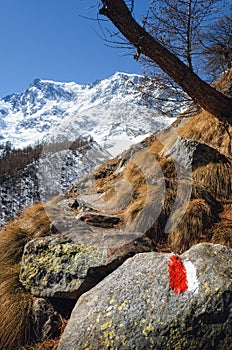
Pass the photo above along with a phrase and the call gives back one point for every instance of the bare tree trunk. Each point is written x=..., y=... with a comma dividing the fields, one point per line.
x=202, y=93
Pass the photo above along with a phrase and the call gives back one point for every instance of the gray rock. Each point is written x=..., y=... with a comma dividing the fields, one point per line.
x=66, y=224
x=192, y=154
x=135, y=308
x=68, y=265
x=57, y=267
x=80, y=205
x=46, y=321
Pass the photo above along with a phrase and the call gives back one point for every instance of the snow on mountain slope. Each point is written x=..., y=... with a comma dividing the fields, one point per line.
x=113, y=111
x=50, y=173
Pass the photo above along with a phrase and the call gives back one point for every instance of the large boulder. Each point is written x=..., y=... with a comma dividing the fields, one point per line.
x=193, y=154
x=67, y=265
x=57, y=267
x=136, y=307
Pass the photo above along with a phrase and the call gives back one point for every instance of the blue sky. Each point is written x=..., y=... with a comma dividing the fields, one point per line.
x=49, y=39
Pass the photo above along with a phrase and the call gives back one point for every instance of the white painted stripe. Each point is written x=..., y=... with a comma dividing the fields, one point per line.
x=193, y=284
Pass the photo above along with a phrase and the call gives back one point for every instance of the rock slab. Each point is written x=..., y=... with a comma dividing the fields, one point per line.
x=135, y=307
x=58, y=267
x=67, y=265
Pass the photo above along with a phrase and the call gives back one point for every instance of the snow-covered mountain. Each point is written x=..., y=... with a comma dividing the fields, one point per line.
x=112, y=114
x=112, y=111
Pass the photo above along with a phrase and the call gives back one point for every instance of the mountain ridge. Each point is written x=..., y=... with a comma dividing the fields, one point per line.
x=108, y=110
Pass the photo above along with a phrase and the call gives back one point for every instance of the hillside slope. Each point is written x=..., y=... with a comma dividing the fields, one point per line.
x=175, y=186
x=165, y=194
x=37, y=173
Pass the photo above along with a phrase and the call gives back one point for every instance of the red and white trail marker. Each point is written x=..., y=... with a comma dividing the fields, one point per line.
x=182, y=275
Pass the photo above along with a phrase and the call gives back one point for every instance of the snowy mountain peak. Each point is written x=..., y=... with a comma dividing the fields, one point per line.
x=36, y=83
x=43, y=85
x=111, y=111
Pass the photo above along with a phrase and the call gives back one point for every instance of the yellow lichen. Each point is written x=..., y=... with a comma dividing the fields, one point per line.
x=106, y=325
x=124, y=341
x=206, y=287
x=147, y=329
x=86, y=346
x=108, y=339
x=123, y=306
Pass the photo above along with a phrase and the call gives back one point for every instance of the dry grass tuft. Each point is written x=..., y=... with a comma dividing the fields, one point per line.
x=217, y=177
x=197, y=219
x=156, y=147
x=136, y=205
x=135, y=177
x=222, y=235
x=207, y=129
x=47, y=345
x=224, y=83
x=15, y=303
x=202, y=211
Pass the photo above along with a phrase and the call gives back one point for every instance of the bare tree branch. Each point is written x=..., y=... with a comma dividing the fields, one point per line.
x=202, y=93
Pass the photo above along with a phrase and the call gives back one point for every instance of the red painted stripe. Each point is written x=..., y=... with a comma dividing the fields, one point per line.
x=177, y=275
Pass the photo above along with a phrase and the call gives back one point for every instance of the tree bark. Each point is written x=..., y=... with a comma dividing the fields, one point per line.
x=202, y=93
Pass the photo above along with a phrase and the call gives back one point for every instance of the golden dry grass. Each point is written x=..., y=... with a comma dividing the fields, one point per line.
x=211, y=185
x=47, y=345
x=15, y=303
x=224, y=83
x=197, y=218
x=217, y=177
x=222, y=235
x=207, y=129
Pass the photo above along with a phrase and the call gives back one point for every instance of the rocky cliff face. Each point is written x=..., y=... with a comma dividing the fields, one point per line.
x=169, y=198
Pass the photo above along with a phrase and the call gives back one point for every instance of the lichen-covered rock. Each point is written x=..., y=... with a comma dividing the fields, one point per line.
x=57, y=267
x=135, y=307
x=68, y=265
x=46, y=321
